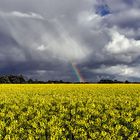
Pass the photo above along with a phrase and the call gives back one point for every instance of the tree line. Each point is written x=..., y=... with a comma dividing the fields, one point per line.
x=20, y=79
x=112, y=81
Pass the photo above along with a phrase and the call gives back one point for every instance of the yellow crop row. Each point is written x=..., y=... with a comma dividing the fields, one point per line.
x=70, y=112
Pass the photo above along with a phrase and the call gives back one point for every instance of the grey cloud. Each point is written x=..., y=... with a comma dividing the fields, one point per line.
x=41, y=39
x=125, y=19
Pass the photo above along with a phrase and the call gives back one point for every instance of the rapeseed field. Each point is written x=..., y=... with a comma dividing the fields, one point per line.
x=70, y=112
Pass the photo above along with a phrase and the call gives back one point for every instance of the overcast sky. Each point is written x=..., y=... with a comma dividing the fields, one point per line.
x=41, y=38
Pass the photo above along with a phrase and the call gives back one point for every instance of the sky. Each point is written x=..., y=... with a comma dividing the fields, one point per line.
x=68, y=39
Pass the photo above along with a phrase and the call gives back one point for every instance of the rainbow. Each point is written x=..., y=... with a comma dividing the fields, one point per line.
x=77, y=73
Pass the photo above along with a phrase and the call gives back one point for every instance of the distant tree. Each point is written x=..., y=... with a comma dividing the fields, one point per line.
x=110, y=81
x=116, y=81
x=30, y=81
x=127, y=81
x=4, y=79
x=21, y=79
x=106, y=81
x=12, y=79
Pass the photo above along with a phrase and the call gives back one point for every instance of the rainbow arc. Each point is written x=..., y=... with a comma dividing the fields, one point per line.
x=77, y=72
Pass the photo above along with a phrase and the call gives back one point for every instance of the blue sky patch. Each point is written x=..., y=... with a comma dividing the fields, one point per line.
x=102, y=10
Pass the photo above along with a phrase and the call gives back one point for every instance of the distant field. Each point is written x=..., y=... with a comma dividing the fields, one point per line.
x=72, y=112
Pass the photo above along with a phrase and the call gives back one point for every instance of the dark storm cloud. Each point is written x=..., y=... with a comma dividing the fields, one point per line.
x=42, y=38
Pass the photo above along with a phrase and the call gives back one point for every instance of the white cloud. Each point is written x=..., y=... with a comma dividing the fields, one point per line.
x=41, y=48
x=89, y=19
x=26, y=15
x=122, y=48
x=41, y=72
x=121, y=44
x=21, y=15
x=64, y=48
x=119, y=70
